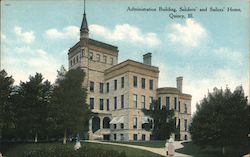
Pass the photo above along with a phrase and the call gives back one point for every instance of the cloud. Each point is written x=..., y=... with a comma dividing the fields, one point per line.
x=3, y=37
x=125, y=32
x=31, y=61
x=67, y=32
x=230, y=55
x=26, y=37
x=190, y=35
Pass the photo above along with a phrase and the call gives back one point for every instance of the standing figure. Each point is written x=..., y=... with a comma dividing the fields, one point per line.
x=171, y=149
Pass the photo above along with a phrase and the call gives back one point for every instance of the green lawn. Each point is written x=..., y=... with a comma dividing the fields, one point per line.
x=191, y=149
x=14, y=150
x=154, y=144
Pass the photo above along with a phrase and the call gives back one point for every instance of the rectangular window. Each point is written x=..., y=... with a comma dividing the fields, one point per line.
x=82, y=53
x=185, y=124
x=143, y=103
x=115, y=103
x=101, y=87
x=105, y=59
x=122, y=126
x=101, y=104
x=111, y=61
x=175, y=103
x=151, y=84
x=135, y=100
x=135, y=137
x=122, y=82
x=107, y=104
x=115, y=126
x=91, y=103
x=167, y=103
x=98, y=58
x=159, y=102
x=114, y=137
x=135, y=123
x=185, y=106
x=151, y=103
x=143, y=83
x=179, y=123
x=135, y=81
x=115, y=84
x=92, y=86
x=122, y=101
x=107, y=87
x=91, y=55
x=143, y=137
x=179, y=106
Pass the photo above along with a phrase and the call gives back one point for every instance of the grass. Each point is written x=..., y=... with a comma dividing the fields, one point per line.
x=191, y=149
x=154, y=144
x=15, y=150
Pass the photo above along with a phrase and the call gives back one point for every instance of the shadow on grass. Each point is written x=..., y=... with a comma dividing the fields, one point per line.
x=17, y=149
x=192, y=149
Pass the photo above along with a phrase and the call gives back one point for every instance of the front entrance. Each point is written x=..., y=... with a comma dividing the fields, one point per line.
x=106, y=137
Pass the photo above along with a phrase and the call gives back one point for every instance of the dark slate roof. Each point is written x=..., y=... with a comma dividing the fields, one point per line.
x=84, y=26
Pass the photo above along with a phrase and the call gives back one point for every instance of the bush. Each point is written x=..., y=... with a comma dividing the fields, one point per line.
x=70, y=152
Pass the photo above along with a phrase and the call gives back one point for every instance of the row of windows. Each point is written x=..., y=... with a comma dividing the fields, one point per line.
x=143, y=83
x=135, y=137
x=77, y=58
x=101, y=103
x=122, y=101
x=121, y=126
x=177, y=104
x=98, y=58
x=101, y=86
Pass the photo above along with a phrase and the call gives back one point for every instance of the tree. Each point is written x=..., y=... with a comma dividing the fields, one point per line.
x=69, y=99
x=32, y=99
x=221, y=119
x=163, y=121
x=6, y=87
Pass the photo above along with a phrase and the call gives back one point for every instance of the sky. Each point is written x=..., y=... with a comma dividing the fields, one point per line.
x=209, y=50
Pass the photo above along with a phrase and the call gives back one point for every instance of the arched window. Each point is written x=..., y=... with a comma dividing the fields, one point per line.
x=95, y=124
x=105, y=123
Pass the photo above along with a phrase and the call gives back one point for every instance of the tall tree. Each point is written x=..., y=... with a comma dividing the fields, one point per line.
x=163, y=121
x=69, y=99
x=221, y=119
x=33, y=99
x=6, y=87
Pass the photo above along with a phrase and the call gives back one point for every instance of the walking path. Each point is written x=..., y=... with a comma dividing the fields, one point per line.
x=160, y=151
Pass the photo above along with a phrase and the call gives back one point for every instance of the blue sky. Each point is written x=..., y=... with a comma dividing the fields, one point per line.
x=211, y=49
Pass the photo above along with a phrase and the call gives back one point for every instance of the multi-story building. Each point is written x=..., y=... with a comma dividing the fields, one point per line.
x=117, y=93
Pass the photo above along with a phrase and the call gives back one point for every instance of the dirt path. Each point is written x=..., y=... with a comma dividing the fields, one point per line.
x=160, y=151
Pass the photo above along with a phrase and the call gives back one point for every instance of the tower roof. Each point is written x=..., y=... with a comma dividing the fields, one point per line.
x=84, y=26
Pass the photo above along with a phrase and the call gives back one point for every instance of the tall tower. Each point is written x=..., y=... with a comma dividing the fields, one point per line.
x=84, y=30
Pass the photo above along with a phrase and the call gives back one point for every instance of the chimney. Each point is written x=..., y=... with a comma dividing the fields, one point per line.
x=147, y=58
x=179, y=83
